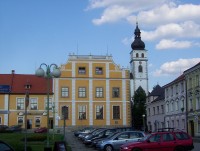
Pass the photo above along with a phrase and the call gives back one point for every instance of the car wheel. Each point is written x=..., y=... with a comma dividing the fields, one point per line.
x=136, y=149
x=108, y=148
x=179, y=148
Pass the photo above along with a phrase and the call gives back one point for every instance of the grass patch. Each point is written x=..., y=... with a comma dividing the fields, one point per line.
x=35, y=142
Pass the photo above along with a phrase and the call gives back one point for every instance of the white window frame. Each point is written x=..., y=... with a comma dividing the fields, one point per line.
x=20, y=103
x=33, y=102
x=65, y=92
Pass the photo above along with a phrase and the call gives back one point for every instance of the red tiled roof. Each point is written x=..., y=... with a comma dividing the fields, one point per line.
x=17, y=83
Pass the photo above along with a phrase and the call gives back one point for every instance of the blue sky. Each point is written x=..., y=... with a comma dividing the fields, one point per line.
x=47, y=31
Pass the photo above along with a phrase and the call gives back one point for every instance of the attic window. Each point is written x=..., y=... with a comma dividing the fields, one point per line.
x=27, y=86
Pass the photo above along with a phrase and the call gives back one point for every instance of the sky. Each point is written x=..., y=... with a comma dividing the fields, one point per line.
x=47, y=31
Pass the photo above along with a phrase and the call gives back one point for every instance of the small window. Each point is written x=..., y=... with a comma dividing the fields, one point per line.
x=82, y=112
x=99, y=70
x=82, y=92
x=81, y=70
x=99, y=112
x=65, y=112
x=20, y=103
x=99, y=92
x=140, y=68
x=37, y=122
x=116, y=112
x=65, y=92
x=20, y=120
x=33, y=104
x=50, y=103
x=137, y=55
x=142, y=55
x=115, y=92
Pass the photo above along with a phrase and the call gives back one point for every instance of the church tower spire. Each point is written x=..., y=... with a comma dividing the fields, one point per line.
x=138, y=64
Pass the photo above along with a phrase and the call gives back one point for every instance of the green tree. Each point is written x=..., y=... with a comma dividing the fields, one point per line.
x=139, y=108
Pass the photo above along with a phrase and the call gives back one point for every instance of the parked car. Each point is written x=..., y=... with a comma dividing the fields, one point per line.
x=100, y=134
x=3, y=128
x=40, y=130
x=5, y=147
x=82, y=136
x=164, y=140
x=83, y=131
x=109, y=134
x=14, y=128
x=114, y=142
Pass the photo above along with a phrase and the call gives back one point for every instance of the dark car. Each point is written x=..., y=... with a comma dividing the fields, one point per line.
x=83, y=131
x=40, y=130
x=5, y=147
x=165, y=141
x=100, y=134
x=82, y=136
x=3, y=128
x=14, y=128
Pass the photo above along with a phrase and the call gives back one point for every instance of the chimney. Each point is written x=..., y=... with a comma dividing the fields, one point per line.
x=13, y=71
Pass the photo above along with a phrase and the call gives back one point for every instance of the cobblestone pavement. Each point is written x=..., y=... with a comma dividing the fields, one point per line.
x=76, y=145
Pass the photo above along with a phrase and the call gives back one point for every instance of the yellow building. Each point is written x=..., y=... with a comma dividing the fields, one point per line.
x=95, y=92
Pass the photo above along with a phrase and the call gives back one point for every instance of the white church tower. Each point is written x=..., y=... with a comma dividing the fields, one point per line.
x=138, y=64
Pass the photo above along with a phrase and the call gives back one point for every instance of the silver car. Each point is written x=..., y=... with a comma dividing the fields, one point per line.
x=114, y=142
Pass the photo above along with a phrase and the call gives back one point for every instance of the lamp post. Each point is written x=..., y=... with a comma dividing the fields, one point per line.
x=143, y=117
x=48, y=75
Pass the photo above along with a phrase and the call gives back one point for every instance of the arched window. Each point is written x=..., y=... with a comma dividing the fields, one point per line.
x=142, y=55
x=140, y=68
x=136, y=55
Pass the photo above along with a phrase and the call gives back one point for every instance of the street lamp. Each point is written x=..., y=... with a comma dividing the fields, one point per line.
x=48, y=75
x=143, y=117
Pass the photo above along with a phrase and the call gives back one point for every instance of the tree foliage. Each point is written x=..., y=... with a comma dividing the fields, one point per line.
x=138, y=108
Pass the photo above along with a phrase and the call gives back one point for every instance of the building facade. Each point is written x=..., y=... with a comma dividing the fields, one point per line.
x=192, y=77
x=138, y=64
x=155, y=109
x=95, y=92
x=175, y=104
x=13, y=90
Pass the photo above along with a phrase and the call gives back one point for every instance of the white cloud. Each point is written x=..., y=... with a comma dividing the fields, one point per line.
x=167, y=13
x=120, y=9
x=188, y=29
x=174, y=67
x=112, y=14
x=170, y=43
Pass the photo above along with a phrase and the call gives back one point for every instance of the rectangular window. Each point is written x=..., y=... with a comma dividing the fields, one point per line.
x=182, y=87
x=198, y=102
x=115, y=92
x=190, y=83
x=0, y=120
x=162, y=109
x=197, y=80
x=33, y=104
x=99, y=92
x=183, y=124
x=167, y=93
x=158, y=110
x=50, y=103
x=20, y=120
x=65, y=92
x=99, y=112
x=99, y=70
x=37, y=121
x=81, y=70
x=81, y=92
x=65, y=112
x=154, y=111
x=191, y=105
x=177, y=89
x=20, y=103
x=82, y=112
x=149, y=112
x=116, y=112
x=171, y=91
